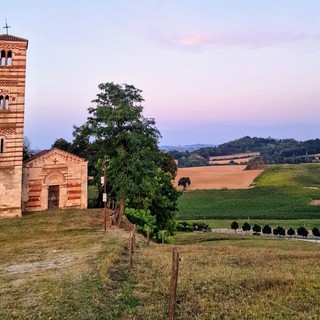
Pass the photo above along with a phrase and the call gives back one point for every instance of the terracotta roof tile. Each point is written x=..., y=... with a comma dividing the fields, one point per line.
x=9, y=37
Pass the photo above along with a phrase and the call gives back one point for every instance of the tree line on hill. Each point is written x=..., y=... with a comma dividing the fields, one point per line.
x=272, y=151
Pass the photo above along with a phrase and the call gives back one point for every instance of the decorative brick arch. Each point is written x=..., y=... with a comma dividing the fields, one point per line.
x=54, y=178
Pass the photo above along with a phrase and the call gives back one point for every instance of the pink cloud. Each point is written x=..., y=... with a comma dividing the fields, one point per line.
x=254, y=40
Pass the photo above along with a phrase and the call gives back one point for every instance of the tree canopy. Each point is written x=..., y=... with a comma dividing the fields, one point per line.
x=139, y=174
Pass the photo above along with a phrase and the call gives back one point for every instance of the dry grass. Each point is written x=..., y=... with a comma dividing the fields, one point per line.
x=218, y=177
x=54, y=264
x=61, y=265
x=231, y=279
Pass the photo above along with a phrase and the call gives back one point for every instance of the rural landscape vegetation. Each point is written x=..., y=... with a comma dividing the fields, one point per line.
x=238, y=258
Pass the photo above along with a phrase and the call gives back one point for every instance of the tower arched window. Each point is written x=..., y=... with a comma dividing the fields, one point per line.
x=3, y=58
x=9, y=58
x=1, y=145
x=1, y=102
x=6, y=102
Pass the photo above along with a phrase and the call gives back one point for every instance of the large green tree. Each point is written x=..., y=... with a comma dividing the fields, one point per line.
x=139, y=174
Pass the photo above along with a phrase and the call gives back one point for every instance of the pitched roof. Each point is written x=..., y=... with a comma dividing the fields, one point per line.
x=9, y=37
x=43, y=152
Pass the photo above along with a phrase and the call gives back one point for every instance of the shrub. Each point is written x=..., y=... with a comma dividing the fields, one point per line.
x=142, y=218
x=256, y=229
x=302, y=231
x=266, y=229
x=157, y=236
x=184, y=226
x=200, y=226
x=246, y=227
x=281, y=231
x=316, y=232
x=291, y=232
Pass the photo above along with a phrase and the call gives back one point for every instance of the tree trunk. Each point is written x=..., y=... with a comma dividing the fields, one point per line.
x=121, y=210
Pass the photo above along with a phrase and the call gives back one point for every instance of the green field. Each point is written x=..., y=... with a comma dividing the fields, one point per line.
x=281, y=192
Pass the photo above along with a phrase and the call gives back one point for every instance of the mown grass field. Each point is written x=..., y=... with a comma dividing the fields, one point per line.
x=61, y=265
x=280, y=192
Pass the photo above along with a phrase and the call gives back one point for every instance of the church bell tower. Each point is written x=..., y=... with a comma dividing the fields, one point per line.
x=12, y=92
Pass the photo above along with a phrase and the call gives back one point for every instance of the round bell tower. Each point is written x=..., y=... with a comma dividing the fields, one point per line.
x=12, y=92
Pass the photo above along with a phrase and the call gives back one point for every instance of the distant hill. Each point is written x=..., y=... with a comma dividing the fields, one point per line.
x=271, y=151
x=191, y=147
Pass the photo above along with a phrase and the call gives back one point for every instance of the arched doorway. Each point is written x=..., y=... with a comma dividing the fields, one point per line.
x=55, y=183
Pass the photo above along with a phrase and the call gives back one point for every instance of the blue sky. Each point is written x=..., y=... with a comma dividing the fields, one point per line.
x=210, y=71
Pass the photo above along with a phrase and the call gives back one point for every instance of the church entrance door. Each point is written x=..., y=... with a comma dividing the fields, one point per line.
x=53, y=197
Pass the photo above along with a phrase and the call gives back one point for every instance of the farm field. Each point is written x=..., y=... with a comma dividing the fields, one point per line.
x=218, y=177
x=280, y=192
x=61, y=265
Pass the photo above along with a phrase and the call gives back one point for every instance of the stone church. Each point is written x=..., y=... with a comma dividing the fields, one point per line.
x=52, y=179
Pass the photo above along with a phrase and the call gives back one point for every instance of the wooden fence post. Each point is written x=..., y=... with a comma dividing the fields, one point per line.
x=174, y=283
x=130, y=250
x=133, y=237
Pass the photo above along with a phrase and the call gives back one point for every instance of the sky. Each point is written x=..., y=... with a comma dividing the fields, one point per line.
x=210, y=71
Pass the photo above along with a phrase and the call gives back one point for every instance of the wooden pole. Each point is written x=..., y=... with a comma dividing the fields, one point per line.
x=130, y=250
x=104, y=196
x=148, y=236
x=174, y=283
x=133, y=237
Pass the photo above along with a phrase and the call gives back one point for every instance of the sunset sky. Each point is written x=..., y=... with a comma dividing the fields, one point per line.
x=210, y=71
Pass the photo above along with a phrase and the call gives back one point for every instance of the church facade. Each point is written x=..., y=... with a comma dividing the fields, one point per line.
x=53, y=179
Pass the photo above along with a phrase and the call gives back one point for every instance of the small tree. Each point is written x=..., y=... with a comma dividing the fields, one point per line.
x=266, y=229
x=246, y=227
x=256, y=229
x=275, y=231
x=281, y=231
x=291, y=232
x=316, y=232
x=302, y=231
x=235, y=226
x=185, y=182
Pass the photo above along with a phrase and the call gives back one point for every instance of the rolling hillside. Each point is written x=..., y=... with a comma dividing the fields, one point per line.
x=280, y=192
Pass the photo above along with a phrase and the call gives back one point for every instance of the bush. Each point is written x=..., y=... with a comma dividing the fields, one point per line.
x=279, y=231
x=142, y=218
x=184, y=226
x=316, y=232
x=246, y=227
x=162, y=233
x=266, y=229
x=291, y=232
x=302, y=231
x=256, y=229
x=200, y=226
